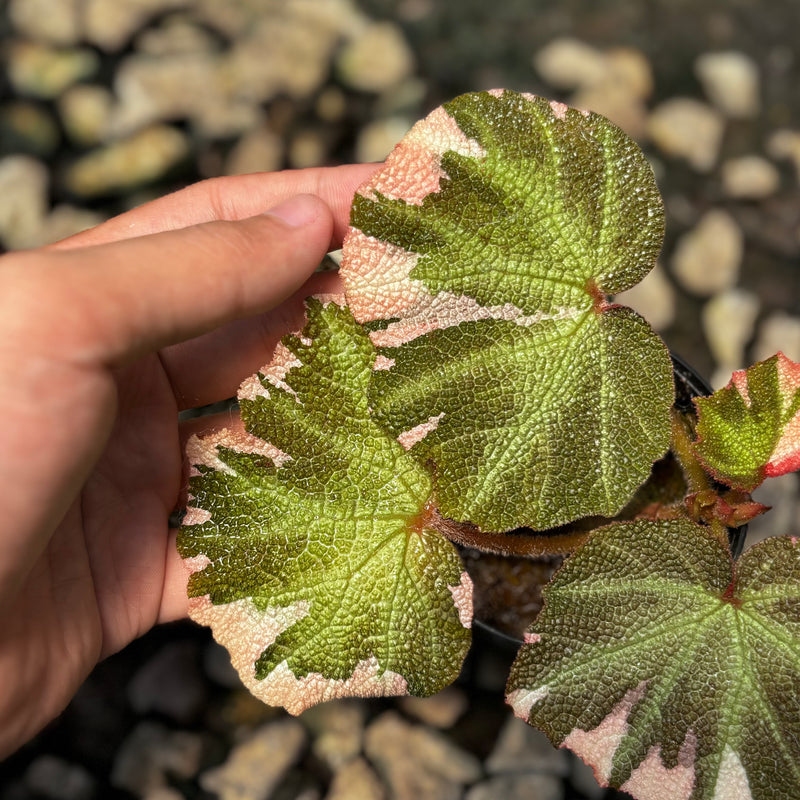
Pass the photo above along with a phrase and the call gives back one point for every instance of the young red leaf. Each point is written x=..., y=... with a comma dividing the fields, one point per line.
x=750, y=430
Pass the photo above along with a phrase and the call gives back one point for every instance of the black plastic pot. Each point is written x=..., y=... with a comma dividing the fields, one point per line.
x=688, y=385
x=508, y=589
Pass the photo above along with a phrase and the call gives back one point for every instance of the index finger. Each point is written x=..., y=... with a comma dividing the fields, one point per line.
x=233, y=198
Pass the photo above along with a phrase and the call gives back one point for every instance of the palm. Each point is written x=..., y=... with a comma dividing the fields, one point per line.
x=100, y=582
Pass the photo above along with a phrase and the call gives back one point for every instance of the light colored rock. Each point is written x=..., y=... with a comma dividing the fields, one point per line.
x=631, y=69
x=653, y=297
x=242, y=711
x=180, y=86
x=40, y=70
x=288, y=48
x=255, y=766
x=783, y=519
x=614, y=101
x=23, y=200
x=779, y=331
x=568, y=63
x=706, y=260
x=86, y=113
x=45, y=20
x=52, y=777
x=749, y=177
x=522, y=748
x=110, y=24
x=308, y=148
x=169, y=683
x=66, y=220
x=731, y=82
x=378, y=138
x=356, y=781
x=406, y=99
x=785, y=144
x=338, y=731
x=232, y=18
x=377, y=59
x=686, y=128
x=728, y=320
x=416, y=762
x=258, y=151
x=441, y=710
x=331, y=105
x=124, y=164
x=175, y=36
x=518, y=787
x=613, y=83
x=24, y=218
x=150, y=753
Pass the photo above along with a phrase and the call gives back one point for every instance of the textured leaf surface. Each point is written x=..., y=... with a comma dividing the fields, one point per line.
x=750, y=430
x=485, y=248
x=672, y=675
x=306, y=535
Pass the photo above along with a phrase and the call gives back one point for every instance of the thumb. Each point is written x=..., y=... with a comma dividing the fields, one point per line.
x=137, y=295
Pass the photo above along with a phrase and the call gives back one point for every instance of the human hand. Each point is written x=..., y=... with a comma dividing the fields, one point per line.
x=104, y=338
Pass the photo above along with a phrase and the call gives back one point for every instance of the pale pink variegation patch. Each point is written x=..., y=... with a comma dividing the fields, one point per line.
x=409, y=438
x=201, y=450
x=245, y=630
x=376, y=277
x=376, y=273
x=652, y=779
x=283, y=359
x=196, y=563
x=739, y=380
x=283, y=688
x=196, y=516
x=382, y=363
x=447, y=310
x=598, y=746
x=786, y=455
x=413, y=169
x=462, y=597
x=523, y=700
x=531, y=638
x=559, y=109
x=732, y=782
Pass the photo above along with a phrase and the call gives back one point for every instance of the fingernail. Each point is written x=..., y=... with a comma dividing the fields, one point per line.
x=296, y=211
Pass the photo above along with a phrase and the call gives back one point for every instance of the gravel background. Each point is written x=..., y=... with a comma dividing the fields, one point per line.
x=107, y=103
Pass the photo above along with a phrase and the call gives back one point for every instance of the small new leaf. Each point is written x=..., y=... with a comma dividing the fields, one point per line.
x=486, y=247
x=668, y=669
x=306, y=536
x=750, y=430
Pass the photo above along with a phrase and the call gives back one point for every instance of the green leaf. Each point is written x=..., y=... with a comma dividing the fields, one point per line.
x=750, y=430
x=487, y=244
x=307, y=537
x=674, y=674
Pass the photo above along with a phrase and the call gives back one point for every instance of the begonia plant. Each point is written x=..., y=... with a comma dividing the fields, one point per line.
x=476, y=378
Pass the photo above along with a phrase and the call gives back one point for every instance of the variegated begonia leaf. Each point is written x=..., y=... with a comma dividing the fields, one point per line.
x=306, y=535
x=750, y=430
x=671, y=671
x=481, y=254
